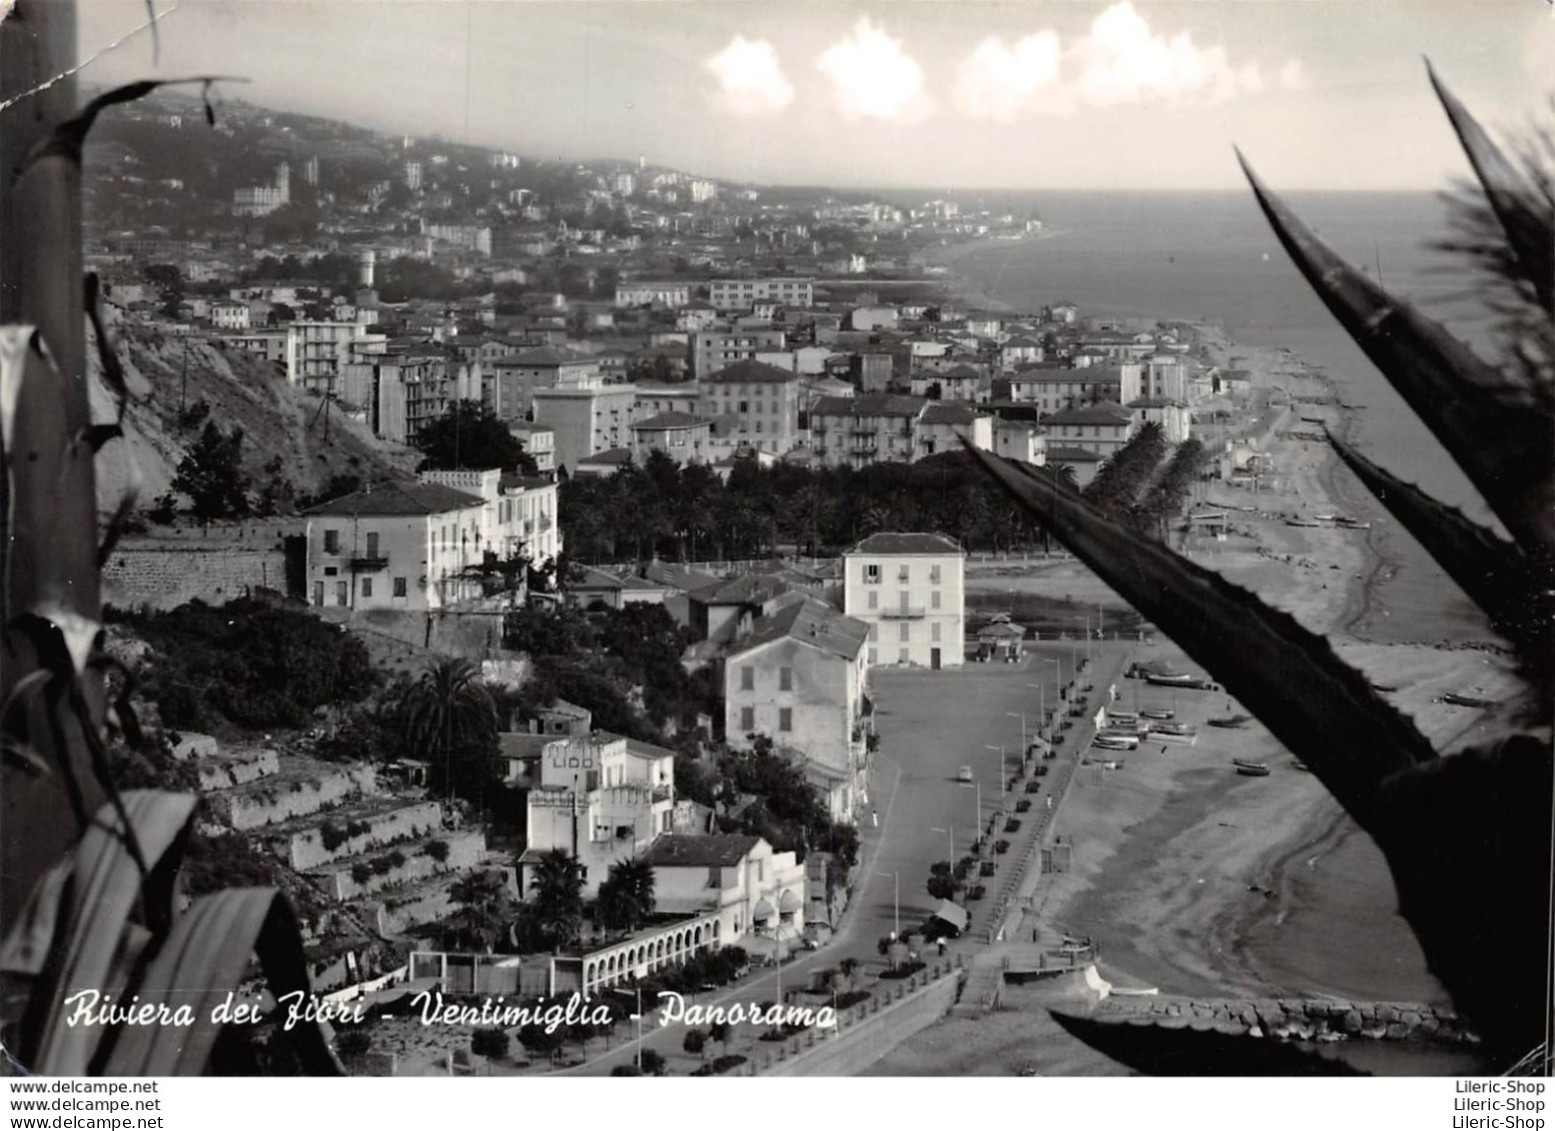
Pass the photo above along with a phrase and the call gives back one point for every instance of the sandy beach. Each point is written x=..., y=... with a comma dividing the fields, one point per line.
x=1199, y=881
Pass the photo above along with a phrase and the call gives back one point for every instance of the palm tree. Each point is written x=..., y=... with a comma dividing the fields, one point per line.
x=486, y=910
x=626, y=895
x=448, y=710
x=558, y=897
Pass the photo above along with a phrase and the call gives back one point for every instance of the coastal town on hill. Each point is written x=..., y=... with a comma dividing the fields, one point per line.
x=575, y=586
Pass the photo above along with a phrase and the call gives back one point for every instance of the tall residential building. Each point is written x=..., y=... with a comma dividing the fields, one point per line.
x=712, y=350
x=800, y=676
x=742, y=294
x=1101, y=428
x=586, y=419
x=264, y=199
x=909, y=589
x=413, y=175
x=874, y=428
x=762, y=399
x=508, y=384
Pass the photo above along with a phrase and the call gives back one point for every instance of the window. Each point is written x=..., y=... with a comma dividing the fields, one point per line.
x=745, y=406
x=934, y=632
x=399, y=587
x=901, y=573
x=747, y=719
x=342, y=596
x=872, y=575
x=874, y=655
x=785, y=679
x=332, y=541
x=785, y=718
x=934, y=577
x=747, y=678
x=367, y=587
x=903, y=630
x=874, y=630
x=934, y=599
x=372, y=545
x=874, y=599
x=902, y=656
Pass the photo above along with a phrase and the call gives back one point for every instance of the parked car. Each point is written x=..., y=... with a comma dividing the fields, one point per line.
x=965, y=774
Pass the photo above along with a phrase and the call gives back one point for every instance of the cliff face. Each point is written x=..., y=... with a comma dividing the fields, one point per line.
x=278, y=420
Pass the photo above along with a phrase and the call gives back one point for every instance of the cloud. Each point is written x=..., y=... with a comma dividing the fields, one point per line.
x=997, y=82
x=1123, y=61
x=1119, y=60
x=872, y=78
x=750, y=81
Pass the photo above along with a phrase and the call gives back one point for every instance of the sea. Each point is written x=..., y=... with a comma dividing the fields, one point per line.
x=1212, y=256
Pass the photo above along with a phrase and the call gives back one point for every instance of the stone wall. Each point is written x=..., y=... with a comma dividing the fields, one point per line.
x=271, y=801
x=474, y=634
x=304, y=849
x=868, y=1031
x=465, y=850
x=1298, y=1019
x=163, y=573
x=238, y=767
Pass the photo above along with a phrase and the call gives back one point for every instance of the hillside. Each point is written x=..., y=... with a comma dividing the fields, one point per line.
x=279, y=422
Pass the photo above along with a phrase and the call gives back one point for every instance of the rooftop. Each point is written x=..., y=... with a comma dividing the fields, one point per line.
x=722, y=850
x=869, y=404
x=948, y=412
x=667, y=420
x=1105, y=412
x=398, y=497
x=907, y=544
x=810, y=622
x=750, y=372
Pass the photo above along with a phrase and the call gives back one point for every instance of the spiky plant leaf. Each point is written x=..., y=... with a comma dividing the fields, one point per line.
x=1525, y=218
x=104, y=889
x=207, y=953
x=1494, y=573
x=1493, y=428
x=1281, y=668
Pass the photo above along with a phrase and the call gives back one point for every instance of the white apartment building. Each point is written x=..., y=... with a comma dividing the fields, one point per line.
x=230, y=315
x=601, y=798
x=743, y=294
x=519, y=516
x=763, y=399
x=645, y=293
x=910, y=590
x=586, y=419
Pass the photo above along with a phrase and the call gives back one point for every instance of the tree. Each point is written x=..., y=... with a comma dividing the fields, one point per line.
x=719, y=1031
x=695, y=1043
x=626, y=895
x=470, y=435
x=653, y=1062
x=850, y=969
x=450, y=715
x=492, y=1043
x=558, y=897
x=485, y=911
x=538, y=1040
x=211, y=474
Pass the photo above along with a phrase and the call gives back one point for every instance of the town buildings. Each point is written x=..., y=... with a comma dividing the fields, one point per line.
x=800, y=677
x=681, y=436
x=587, y=418
x=509, y=383
x=645, y=293
x=909, y=589
x=762, y=399
x=742, y=294
x=890, y=428
x=715, y=349
x=1102, y=428
x=601, y=798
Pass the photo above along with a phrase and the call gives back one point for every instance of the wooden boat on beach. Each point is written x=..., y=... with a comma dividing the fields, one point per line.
x=1231, y=721
x=1158, y=713
x=1251, y=769
x=1460, y=700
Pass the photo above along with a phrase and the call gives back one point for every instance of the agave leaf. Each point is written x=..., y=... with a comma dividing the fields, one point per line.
x=105, y=888
x=70, y=135
x=113, y=370
x=1156, y=1049
x=28, y=941
x=206, y=955
x=1493, y=428
x=1492, y=571
x=1287, y=676
x=1468, y=840
x=1530, y=229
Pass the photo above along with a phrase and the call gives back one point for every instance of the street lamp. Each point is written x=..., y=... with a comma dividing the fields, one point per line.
x=950, y=836
x=1022, y=716
x=896, y=880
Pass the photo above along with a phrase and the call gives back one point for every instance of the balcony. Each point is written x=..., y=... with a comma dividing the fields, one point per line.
x=369, y=565
x=663, y=793
x=904, y=612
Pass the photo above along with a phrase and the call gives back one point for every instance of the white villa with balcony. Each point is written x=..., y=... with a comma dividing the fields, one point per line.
x=601, y=797
x=909, y=590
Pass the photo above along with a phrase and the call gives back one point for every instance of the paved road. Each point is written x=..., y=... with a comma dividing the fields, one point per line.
x=930, y=724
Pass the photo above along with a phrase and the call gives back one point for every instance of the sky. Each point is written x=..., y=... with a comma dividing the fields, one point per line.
x=1039, y=94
